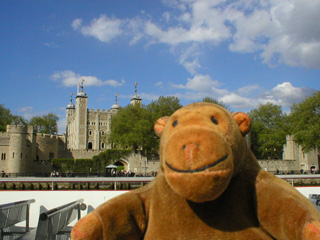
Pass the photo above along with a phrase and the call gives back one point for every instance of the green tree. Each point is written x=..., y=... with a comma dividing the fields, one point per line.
x=46, y=124
x=7, y=118
x=132, y=127
x=108, y=157
x=215, y=101
x=305, y=122
x=163, y=106
x=268, y=131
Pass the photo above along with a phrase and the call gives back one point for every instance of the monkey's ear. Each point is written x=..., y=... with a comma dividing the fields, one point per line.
x=243, y=121
x=159, y=125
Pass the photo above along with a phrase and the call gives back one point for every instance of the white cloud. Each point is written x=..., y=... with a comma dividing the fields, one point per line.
x=69, y=79
x=76, y=24
x=150, y=97
x=245, y=98
x=247, y=90
x=26, y=109
x=200, y=83
x=237, y=101
x=103, y=28
x=51, y=45
x=286, y=94
x=158, y=84
x=189, y=58
x=286, y=31
x=26, y=112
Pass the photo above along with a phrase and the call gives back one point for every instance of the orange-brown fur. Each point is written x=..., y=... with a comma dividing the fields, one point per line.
x=209, y=186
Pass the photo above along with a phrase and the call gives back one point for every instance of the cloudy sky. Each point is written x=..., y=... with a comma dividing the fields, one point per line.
x=241, y=52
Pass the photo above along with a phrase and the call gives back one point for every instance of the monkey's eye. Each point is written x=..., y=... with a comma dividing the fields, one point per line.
x=214, y=120
x=175, y=123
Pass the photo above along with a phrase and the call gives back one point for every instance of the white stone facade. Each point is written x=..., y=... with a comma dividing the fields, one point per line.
x=308, y=161
x=87, y=129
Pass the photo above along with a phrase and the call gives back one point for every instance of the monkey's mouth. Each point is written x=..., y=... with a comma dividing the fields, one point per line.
x=198, y=169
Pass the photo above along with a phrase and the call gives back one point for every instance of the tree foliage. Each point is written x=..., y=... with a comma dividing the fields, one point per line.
x=163, y=106
x=46, y=124
x=7, y=118
x=215, y=101
x=95, y=165
x=268, y=131
x=108, y=157
x=133, y=125
x=305, y=122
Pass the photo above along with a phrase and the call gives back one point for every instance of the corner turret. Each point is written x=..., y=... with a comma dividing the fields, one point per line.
x=136, y=100
x=115, y=107
x=70, y=105
x=81, y=93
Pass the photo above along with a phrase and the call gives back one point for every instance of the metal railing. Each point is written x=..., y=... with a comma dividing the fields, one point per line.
x=53, y=183
x=13, y=213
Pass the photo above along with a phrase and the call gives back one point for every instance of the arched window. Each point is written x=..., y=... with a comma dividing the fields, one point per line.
x=90, y=145
x=102, y=133
x=102, y=145
x=90, y=132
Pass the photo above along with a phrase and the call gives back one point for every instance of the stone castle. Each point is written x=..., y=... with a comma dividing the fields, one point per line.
x=25, y=152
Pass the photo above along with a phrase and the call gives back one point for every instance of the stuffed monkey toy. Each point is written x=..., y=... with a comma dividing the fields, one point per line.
x=209, y=186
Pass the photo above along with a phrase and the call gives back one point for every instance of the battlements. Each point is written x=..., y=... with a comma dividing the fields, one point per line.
x=43, y=135
x=290, y=138
x=87, y=151
x=17, y=129
x=4, y=134
x=98, y=111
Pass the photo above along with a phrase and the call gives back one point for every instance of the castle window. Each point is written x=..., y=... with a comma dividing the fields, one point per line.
x=90, y=145
x=51, y=155
x=90, y=132
x=102, y=133
x=13, y=155
x=3, y=156
x=102, y=145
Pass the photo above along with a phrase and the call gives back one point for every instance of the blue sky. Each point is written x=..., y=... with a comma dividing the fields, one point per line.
x=244, y=52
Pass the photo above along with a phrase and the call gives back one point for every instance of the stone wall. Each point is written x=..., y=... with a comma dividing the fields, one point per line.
x=48, y=147
x=84, y=154
x=141, y=165
x=283, y=166
x=4, y=150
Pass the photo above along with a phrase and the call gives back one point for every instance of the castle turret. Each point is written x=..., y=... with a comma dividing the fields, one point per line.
x=81, y=118
x=17, y=159
x=136, y=100
x=70, y=113
x=115, y=107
